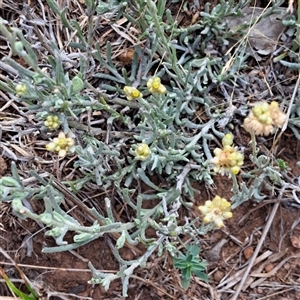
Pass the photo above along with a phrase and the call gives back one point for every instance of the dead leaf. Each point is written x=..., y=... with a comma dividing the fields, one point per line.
x=126, y=56
x=264, y=35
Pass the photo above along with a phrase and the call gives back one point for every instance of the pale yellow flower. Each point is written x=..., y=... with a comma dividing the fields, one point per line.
x=21, y=89
x=154, y=86
x=216, y=211
x=227, y=160
x=51, y=146
x=264, y=117
x=60, y=144
x=132, y=93
x=278, y=117
x=142, y=151
x=52, y=122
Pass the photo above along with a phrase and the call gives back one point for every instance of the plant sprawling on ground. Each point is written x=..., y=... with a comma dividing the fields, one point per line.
x=123, y=126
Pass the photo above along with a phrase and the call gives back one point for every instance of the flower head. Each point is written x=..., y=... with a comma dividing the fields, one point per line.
x=227, y=160
x=216, y=211
x=278, y=117
x=132, y=93
x=142, y=151
x=52, y=122
x=154, y=86
x=264, y=117
x=60, y=144
x=21, y=89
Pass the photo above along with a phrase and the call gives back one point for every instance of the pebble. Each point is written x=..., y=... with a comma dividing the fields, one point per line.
x=218, y=276
x=248, y=252
x=269, y=268
x=259, y=291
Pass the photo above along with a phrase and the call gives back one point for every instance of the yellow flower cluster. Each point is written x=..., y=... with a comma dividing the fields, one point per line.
x=21, y=89
x=154, y=86
x=142, y=151
x=132, y=93
x=264, y=117
x=227, y=160
x=216, y=211
x=52, y=122
x=60, y=144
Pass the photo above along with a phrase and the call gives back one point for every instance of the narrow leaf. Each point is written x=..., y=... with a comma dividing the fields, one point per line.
x=64, y=19
x=5, y=87
x=185, y=283
x=201, y=275
x=21, y=70
x=54, y=6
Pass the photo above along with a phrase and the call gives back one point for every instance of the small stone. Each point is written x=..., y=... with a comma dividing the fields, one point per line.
x=218, y=276
x=269, y=268
x=259, y=291
x=248, y=252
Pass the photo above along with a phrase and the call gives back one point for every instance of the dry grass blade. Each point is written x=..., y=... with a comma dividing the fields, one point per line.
x=272, y=258
x=54, y=268
x=234, y=279
x=26, y=281
x=274, y=294
x=258, y=247
x=148, y=282
x=264, y=276
x=284, y=127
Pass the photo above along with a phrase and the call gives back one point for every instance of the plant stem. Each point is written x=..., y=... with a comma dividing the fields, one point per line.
x=235, y=187
x=253, y=144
